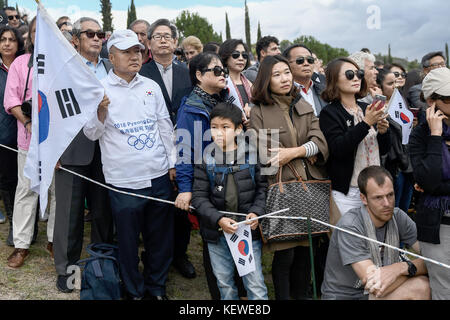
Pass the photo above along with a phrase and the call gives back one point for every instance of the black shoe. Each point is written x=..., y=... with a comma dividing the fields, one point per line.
x=10, y=241
x=184, y=267
x=155, y=298
x=61, y=284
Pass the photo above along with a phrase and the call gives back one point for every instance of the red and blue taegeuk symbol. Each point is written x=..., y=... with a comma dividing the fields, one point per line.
x=404, y=118
x=243, y=247
x=44, y=117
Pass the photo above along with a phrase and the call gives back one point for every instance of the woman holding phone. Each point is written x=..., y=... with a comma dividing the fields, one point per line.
x=357, y=134
x=430, y=158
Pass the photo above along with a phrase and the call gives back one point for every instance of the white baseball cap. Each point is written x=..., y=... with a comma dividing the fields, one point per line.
x=437, y=81
x=123, y=40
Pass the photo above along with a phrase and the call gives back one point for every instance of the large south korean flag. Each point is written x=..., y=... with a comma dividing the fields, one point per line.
x=66, y=94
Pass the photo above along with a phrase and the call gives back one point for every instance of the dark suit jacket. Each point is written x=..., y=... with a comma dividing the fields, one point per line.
x=319, y=85
x=81, y=150
x=181, y=84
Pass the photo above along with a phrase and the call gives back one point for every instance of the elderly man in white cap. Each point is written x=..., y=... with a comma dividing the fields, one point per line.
x=430, y=158
x=138, y=156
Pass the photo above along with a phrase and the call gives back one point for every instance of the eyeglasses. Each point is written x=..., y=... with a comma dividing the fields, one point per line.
x=218, y=71
x=236, y=54
x=438, y=65
x=350, y=74
x=301, y=60
x=90, y=34
x=158, y=37
x=12, y=17
x=398, y=74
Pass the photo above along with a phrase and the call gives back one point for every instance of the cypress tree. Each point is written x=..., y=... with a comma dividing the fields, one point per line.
x=446, y=53
x=106, y=15
x=259, y=32
x=133, y=16
x=389, y=54
x=227, y=27
x=2, y=4
x=247, y=27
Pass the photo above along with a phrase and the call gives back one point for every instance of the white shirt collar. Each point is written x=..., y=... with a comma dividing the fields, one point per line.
x=114, y=79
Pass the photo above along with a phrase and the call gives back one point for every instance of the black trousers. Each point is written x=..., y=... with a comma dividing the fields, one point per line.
x=71, y=192
x=134, y=215
x=291, y=270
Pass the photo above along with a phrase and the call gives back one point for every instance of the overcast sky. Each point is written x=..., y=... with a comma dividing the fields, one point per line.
x=413, y=28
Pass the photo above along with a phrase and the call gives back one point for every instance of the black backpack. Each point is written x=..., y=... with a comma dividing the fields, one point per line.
x=100, y=278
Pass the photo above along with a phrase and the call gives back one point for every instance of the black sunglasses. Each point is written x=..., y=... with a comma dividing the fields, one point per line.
x=218, y=71
x=91, y=34
x=12, y=17
x=398, y=74
x=350, y=74
x=236, y=54
x=301, y=60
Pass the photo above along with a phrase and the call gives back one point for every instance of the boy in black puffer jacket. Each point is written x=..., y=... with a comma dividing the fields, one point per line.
x=229, y=181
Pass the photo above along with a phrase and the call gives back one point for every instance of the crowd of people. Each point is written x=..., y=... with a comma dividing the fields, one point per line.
x=170, y=126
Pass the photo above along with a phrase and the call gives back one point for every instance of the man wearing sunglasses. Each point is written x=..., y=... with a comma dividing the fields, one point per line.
x=82, y=156
x=311, y=84
x=430, y=61
x=266, y=46
x=175, y=82
x=13, y=17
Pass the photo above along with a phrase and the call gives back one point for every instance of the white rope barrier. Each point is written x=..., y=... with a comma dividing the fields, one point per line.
x=269, y=216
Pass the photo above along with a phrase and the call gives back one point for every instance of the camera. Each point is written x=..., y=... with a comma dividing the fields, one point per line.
x=26, y=108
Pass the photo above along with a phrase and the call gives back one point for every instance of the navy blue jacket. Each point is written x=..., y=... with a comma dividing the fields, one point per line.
x=181, y=84
x=8, y=123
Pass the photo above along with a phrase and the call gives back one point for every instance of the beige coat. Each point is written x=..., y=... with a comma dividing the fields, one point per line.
x=303, y=128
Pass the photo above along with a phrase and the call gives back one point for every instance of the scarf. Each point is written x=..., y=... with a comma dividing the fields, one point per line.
x=442, y=203
x=211, y=101
x=392, y=238
x=234, y=91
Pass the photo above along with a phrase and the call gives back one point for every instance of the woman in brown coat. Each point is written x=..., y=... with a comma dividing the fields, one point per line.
x=278, y=106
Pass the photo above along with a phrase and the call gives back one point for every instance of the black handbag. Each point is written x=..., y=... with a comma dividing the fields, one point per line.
x=310, y=198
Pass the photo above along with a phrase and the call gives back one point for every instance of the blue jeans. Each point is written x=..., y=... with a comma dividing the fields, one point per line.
x=223, y=268
x=403, y=187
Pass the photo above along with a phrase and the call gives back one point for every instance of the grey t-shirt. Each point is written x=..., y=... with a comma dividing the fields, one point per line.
x=340, y=280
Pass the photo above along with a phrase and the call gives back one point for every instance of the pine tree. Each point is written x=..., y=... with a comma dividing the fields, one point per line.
x=128, y=17
x=446, y=53
x=106, y=15
x=132, y=14
x=247, y=28
x=227, y=27
x=17, y=8
x=2, y=4
x=259, y=32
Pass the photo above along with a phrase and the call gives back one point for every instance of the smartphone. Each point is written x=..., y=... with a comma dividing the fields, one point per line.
x=379, y=97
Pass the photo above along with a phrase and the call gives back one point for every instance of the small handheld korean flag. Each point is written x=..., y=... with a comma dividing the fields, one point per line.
x=66, y=95
x=399, y=113
x=240, y=244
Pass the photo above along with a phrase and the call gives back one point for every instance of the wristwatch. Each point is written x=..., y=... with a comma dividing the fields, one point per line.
x=411, y=269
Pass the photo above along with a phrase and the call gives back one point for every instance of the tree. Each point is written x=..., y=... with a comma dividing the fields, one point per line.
x=192, y=24
x=247, y=28
x=3, y=4
x=284, y=44
x=446, y=53
x=389, y=59
x=131, y=16
x=227, y=27
x=258, y=36
x=106, y=15
x=323, y=50
x=17, y=8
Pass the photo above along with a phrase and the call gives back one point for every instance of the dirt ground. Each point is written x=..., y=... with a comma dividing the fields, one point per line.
x=36, y=279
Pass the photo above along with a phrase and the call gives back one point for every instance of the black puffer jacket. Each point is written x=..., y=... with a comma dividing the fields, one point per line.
x=209, y=201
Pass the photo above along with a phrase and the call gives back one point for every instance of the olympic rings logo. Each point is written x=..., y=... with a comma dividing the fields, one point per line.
x=142, y=141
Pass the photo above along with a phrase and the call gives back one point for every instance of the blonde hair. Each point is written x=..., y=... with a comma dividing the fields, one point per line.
x=193, y=42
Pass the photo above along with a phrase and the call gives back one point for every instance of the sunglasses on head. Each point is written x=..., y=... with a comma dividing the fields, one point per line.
x=218, y=71
x=91, y=34
x=398, y=74
x=12, y=17
x=236, y=54
x=350, y=74
x=301, y=60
